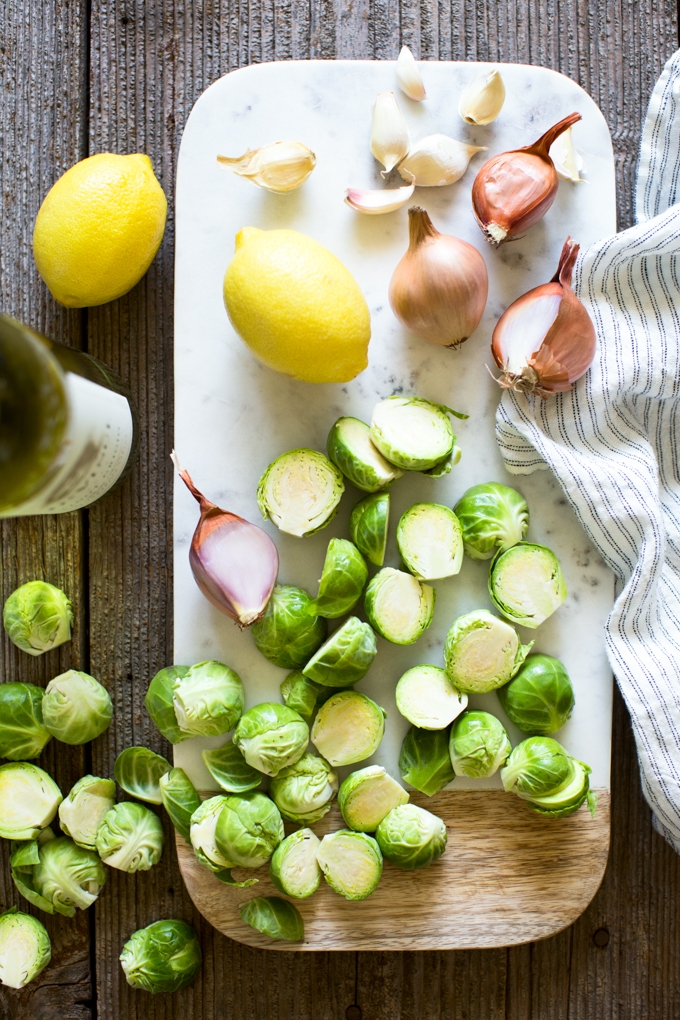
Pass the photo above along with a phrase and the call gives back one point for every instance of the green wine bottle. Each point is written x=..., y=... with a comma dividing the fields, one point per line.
x=68, y=426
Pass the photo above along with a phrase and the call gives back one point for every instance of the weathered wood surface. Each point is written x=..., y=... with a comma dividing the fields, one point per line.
x=83, y=76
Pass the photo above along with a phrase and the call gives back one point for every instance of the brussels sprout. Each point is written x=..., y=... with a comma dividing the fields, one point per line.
x=82, y=812
x=424, y=760
x=399, y=606
x=482, y=652
x=68, y=876
x=163, y=957
x=294, y=869
x=159, y=703
x=540, y=698
x=368, y=524
x=138, y=771
x=345, y=657
x=208, y=700
x=76, y=708
x=342, y=581
x=25, y=948
x=526, y=584
x=537, y=767
x=29, y=799
x=411, y=837
x=413, y=433
x=202, y=834
x=303, y=791
x=351, y=863
x=478, y=745
x=430, y=541
x=493, y=516
x=303, y=695
x=273, y=917
x=300, y=492
x=249, y=829
x=350, y=448
x=230, y=770
x=427, y=698
x=569, y=797
x=38, y=617
x=22, y=732
x=367, y=795
x=271, y=736
x=180, y=799
x=130, y=837
x=289, y=632
x=348, y=728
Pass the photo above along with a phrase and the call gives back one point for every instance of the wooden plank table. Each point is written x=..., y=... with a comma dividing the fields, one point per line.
x=86, y=76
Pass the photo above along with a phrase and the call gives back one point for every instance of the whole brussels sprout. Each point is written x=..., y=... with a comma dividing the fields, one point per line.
x=163, y=957
x=482, y=653
x=208, y=700
x=346, y=656
x=294, y=869
x=290, y=629
x=424, y=760
x=68, y=876
x=300, y=492
x=351, y=863
x=540, y=698
x=368, y=526
x=138, y=771
x=180, y=799
x=29, y=799
x=230, y=770
x=159, y=703
x=399, y=607
x=249, y=829
x=271, y=736
x=82, y=812
x=303, y=791
x=427, y=698
x=38, y=617
x=22, y=731
x=130, y=837
x=273, y=917
x=430, y=540
x=350, y=448
x=413, y=433
x=342, y=581
x=367, y=795
x=493, y=516
x=348, y=728
x=76, y=708
x=411, y=837
x=478, y=745
x=537, y=767
x=25, y=948
x=526, y=584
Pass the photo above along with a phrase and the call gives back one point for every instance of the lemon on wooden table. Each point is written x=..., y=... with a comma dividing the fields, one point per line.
x=296, y=306
x=99, y=228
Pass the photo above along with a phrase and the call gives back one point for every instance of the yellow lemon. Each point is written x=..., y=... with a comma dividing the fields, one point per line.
x=296, y=306
x=99, y=228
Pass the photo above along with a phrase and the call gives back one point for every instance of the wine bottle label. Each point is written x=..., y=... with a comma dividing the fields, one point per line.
x=93, y=454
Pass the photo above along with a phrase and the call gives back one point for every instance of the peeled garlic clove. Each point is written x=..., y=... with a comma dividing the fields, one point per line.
x=389, y=135
x=567, y=160
x=483, y=99
x=437, y=160
x=280, y=167
x=409, y=78
x=373, y=203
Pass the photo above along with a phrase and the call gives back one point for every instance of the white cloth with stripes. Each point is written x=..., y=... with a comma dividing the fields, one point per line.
x=614, y=444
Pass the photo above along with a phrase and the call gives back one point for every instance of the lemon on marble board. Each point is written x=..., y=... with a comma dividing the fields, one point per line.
x=296, y=306
x=98, y=229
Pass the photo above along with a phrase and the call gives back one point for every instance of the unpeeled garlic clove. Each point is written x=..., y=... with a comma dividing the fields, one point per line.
x=568, y=162
x=437, y=160
x=389, y=135
x=482, y=100
x=373, y=203
x=409, y=78
x=280, y=167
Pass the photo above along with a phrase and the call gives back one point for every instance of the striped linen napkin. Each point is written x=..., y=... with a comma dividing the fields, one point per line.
x=613, y=442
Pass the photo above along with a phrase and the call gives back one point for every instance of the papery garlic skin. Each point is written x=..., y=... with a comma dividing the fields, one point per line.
x=390, y=139
x=437, y=160
x=374, y=203
x=482, y=100
x=280, y=167
x=568, y=162
x=409, y=78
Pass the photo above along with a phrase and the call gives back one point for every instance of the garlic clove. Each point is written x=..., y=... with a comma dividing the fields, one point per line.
x=280, y=167
x=568, y=162
x=437, y=160
x=373, y=203
x=389, y=135
x=409, y=78
x=482, y=100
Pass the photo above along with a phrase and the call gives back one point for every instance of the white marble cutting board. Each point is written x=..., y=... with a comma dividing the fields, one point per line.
x=233, y=415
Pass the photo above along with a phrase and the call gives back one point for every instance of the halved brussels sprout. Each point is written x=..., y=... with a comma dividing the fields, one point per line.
x=208, y=700
x=424, y=760
x=289, y=631
x=540, y=698
x=230, y=770
x=569, y=797
x=526, y=584
x=180, y=799
x=351, y=863
x=413, y=433
x=345, y=657
x=68, y=876
x=273, y=917
x=430, y=541
x=159, y=702
x=427, y=698
x=303, y=791
x=25, y=948
x=294, y=869
x=342, y=581
x=368, y=524
x=202, y=827
x=37, y=617
x=537, y=767
x=411, y=837
x=29, y=799
x=478, y=745
x=348, y=728
x=367, y=795
x=249, y=829
x=350, y=448
x=82, y=812
x=271, y=736
x=163, y=957
x=482, y=653
x=76, y=708
x=300, y=492
x=22, y=731
x=399, y=606
x=138, y=771
x=130, y=837
x=493, y=516
x=303, y=695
